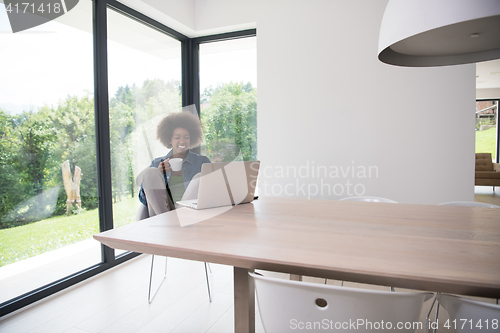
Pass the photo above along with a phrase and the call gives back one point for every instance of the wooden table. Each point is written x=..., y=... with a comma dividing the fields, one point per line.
x=436, y=248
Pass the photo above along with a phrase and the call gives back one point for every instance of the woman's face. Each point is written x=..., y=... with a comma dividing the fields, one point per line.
x=180, y=140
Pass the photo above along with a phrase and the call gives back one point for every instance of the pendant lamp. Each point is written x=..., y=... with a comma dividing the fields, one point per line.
x=423, y=33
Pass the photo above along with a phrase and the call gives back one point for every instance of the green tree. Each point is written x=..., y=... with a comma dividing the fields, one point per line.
x=36, y=139
x=73, y=121
x=11, y=189
x=27, y=156
x=230, y=122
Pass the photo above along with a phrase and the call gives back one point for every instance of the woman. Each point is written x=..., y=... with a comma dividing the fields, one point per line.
x=180, y=132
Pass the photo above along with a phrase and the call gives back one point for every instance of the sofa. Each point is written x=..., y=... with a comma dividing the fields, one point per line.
x=487, y=172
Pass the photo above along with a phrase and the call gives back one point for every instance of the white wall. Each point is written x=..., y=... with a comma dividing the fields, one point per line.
x=493, y=93
x=324, y=98
x=326, y=101
x=217, y=16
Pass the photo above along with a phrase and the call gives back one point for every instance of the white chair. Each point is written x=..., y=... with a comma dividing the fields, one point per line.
x=464, y=204
x=368, y=199
x=289, y=306
x=469, y=204
x=467, y=315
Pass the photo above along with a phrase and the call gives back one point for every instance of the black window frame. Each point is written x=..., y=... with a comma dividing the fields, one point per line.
x=190, y=95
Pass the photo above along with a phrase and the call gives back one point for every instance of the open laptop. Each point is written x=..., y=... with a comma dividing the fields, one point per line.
x=225, y=184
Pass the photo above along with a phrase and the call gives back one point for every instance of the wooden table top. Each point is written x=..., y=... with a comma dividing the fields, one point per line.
x=427, y=247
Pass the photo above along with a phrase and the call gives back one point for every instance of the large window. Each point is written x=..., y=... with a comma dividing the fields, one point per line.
x=228, y=102
x=144, y=86
x=80, y=98
x=47, y=135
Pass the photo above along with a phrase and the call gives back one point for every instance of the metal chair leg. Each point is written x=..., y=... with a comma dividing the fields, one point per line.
x=428, y=318
x=437, y=313
x=150, y=297
x=208, y=280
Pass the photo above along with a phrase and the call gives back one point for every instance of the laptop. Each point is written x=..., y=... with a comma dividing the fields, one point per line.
x=225, y=184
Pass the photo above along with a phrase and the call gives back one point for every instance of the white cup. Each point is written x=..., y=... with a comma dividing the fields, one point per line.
x=175, y=164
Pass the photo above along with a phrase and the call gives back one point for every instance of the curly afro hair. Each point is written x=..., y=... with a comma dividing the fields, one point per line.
x=184, y=120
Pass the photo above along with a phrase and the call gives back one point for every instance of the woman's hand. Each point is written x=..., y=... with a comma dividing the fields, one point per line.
x=164, y=166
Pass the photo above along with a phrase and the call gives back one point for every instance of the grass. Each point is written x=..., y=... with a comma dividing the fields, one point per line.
x=485, y=141
x=49, y=234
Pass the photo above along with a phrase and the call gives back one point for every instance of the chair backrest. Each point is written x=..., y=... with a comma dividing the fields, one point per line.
x=469, y=204
x=368, y=199
x=289, y=306
x=467, y=315
x=484, y=162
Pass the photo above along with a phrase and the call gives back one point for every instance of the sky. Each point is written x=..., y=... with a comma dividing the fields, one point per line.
x=45, y=64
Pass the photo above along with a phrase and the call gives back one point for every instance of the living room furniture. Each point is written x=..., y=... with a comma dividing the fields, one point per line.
x=487, y=172
x=424, y=247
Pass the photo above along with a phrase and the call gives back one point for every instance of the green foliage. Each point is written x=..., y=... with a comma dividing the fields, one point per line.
x=230, y=122
x=11, y=188
x=33, y=145
x=486, y=141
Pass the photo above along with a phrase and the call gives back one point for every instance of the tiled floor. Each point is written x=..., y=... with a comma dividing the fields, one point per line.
x=487, y=194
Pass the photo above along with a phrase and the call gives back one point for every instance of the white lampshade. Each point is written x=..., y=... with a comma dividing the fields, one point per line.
x=421, y=33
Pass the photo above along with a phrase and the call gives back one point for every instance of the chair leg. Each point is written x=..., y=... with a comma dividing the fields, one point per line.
x=428, y=318
x=150, y=297
x=437, y=313
x=208, y=280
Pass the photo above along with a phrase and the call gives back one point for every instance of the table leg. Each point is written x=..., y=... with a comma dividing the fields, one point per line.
x=244, y=301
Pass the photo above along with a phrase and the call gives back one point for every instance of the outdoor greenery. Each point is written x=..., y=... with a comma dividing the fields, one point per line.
x=486, y=141
x=49, y=234
x=33, y=145
x=230, y=122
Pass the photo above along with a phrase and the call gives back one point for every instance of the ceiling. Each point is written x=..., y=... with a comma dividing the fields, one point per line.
x=488, y=74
